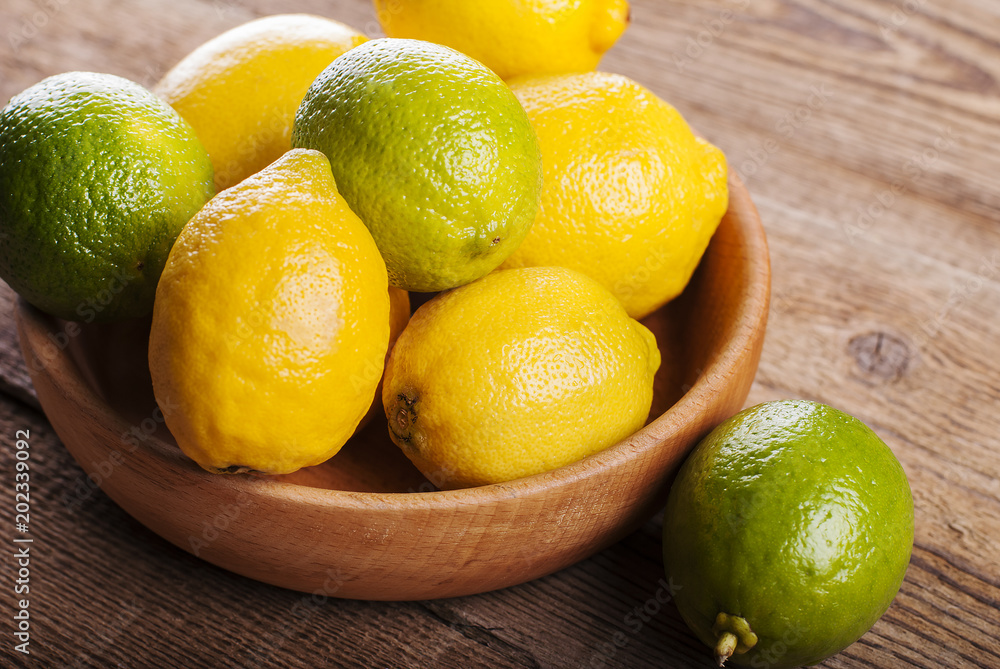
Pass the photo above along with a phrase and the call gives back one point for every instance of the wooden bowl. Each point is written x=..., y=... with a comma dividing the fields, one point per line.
x=366, y=524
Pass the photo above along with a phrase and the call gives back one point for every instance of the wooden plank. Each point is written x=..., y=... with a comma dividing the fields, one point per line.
x=14, y=379
x=105, y=588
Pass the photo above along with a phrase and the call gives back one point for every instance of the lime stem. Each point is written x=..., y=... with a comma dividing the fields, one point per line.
x=725, y=647
x=735, y=636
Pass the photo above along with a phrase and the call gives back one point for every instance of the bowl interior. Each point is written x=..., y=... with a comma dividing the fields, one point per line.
x=112, y=359
x=694, y=333
x=367, y=513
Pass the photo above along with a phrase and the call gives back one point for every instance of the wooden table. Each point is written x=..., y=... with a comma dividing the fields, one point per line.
x=867, y=131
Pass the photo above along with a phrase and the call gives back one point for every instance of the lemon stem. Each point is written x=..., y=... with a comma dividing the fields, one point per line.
x=734, y=636
x=402, y=415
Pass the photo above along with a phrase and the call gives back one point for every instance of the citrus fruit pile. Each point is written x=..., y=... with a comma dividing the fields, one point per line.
x=276, y=198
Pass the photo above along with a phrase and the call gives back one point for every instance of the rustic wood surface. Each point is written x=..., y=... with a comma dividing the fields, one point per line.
x=866, y=132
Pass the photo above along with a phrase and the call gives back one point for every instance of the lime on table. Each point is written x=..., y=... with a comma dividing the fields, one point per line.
x=432, y=151
x=787, y=534
x=97, y=178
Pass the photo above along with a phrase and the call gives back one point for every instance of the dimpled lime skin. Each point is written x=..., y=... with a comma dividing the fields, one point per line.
x=432, y=151
x=796, y=517
x=97, y=178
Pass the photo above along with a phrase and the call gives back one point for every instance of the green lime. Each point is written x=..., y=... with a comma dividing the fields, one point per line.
x=97, y=178
x=432, y=151
x=787, y=533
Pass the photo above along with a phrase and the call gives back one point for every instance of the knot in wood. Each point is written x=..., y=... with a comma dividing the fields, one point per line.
x=880, y=354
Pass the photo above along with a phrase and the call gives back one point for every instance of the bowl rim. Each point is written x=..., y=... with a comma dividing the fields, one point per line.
x=750, y=319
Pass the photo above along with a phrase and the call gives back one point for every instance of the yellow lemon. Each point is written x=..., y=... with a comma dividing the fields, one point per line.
x=630, y=196
x=513, y=38
x=240, y=90
x=515, y=374
x=269, y=318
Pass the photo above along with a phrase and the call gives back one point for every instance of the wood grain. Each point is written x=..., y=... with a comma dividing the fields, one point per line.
x=885, y=305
